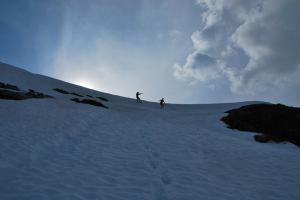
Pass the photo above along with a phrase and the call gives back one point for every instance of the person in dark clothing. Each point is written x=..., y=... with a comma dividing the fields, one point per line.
x=162, y=103
x=138, y=99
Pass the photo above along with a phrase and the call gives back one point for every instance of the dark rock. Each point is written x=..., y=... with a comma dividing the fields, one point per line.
x=37, y=95
x=262, y=138
x=102, y=98
x=61, y=91
x=73, y=93
x=89, y=96
x=11, y=95
x=278, y=122
x=16, y=95
x=89, y=101
x=76, y=100
x=9, y=86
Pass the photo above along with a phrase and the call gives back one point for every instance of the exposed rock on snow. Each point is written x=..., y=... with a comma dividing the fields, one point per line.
x=14, y=93
x=102, y=98
x=277, y=122
x=75, y=94
x=262, y=138
x=89, y=101
x=61, y=91
x=9, y=86
x=37, y=95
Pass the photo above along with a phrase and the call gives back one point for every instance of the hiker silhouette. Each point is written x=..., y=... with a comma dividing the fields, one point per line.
x=137, y=95
x=162, y=103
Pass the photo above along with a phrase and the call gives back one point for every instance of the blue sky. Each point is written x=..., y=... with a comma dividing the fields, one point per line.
x=194, y=51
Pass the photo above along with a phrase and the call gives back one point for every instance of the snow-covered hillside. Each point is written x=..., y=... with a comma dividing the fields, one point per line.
x=54, y=148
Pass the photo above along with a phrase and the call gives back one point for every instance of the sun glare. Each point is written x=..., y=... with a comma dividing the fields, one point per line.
x=85, y=83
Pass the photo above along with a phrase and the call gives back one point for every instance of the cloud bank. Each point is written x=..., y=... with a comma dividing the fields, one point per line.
x=253, y=44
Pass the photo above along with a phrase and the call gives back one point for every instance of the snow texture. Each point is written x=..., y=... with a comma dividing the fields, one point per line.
x=59, y=149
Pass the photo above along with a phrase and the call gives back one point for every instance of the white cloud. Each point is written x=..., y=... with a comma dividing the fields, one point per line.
x=198, y=66
x=266, y=31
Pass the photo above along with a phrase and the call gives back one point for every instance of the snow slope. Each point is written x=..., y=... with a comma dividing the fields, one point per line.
x=59, y=149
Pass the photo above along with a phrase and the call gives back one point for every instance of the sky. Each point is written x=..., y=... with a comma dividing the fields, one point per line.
x=192, y=51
